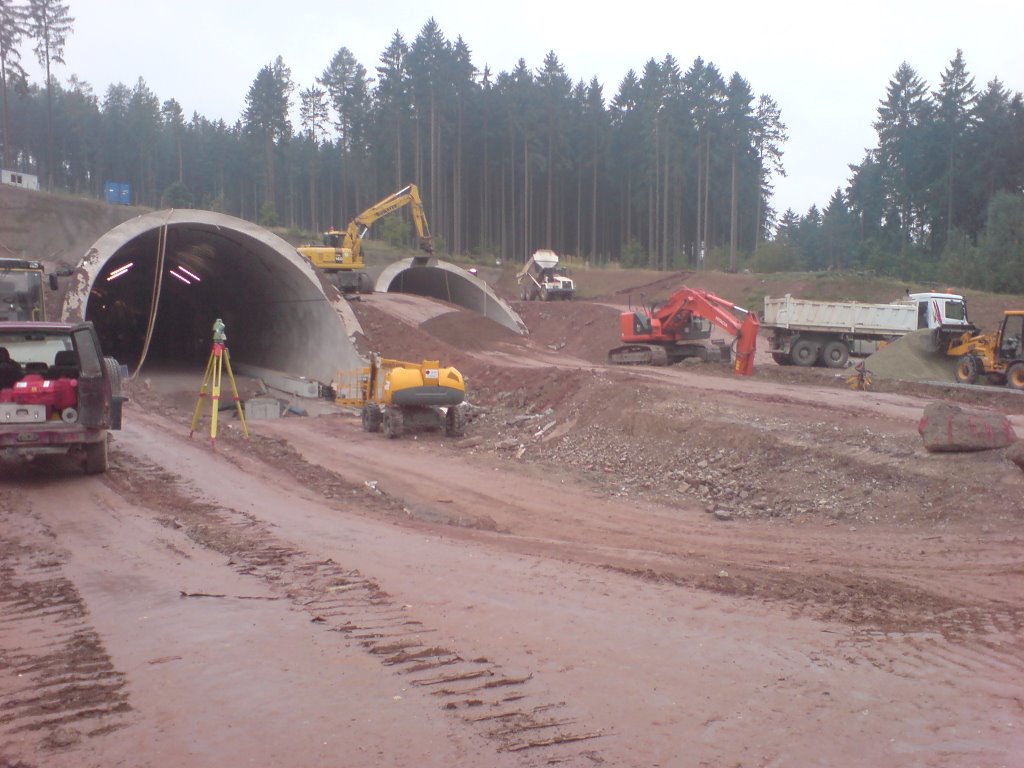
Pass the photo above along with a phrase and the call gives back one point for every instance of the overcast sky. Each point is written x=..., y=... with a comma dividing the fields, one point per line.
x=826, y=64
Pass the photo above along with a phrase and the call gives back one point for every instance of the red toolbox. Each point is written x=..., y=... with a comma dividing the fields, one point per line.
x=34, y=390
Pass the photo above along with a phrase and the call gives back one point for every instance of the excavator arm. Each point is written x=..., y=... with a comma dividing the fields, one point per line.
x=361, y=223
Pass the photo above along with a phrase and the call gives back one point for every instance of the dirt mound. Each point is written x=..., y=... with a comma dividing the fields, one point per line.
x=912, y=358
x=464, y=329
x=582, y=329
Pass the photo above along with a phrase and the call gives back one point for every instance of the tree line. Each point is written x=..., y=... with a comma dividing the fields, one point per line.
x=674, y=170
x=938, y=198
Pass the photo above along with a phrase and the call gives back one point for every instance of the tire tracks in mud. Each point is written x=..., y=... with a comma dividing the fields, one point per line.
x=59, y=684
x=497, y=703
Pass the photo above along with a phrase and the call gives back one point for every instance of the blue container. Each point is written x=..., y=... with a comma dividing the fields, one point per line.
x=117, y=193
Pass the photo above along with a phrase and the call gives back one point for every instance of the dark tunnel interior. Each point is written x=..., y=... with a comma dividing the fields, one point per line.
x=191, y=297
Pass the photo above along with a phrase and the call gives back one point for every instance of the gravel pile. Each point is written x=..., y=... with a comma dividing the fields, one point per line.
x=911, y=358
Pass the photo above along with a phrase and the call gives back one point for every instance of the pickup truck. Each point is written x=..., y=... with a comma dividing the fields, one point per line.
x=58, y=393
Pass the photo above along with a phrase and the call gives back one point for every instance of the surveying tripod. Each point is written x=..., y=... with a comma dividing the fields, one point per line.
x=219, y=360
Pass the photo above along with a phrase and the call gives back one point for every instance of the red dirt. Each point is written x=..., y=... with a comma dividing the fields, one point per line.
x=622, y=567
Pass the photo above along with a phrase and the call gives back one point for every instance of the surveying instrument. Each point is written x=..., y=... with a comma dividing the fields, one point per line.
x=219, y=360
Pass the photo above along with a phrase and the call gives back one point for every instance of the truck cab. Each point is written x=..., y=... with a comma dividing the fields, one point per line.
x=946, y=311
x=21, y=289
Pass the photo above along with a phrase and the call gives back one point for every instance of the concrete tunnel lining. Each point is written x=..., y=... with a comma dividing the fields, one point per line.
x=452, y=284
x=274, y=305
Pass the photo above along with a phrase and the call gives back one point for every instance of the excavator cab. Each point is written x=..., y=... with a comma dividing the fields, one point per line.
x=1011, y=336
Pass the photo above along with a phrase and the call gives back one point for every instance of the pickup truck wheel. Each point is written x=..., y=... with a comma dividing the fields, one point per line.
x=804, y=353
x=967, y=369
x=1015, y=376
x=835, y=354
x=96, y=457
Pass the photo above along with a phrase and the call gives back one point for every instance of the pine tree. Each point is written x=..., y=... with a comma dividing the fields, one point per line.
x=49, y=24
x=13, y=26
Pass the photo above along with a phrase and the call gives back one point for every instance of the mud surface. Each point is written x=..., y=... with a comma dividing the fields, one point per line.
x=621, y=567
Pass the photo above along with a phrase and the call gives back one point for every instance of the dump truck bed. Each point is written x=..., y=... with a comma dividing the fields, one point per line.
x=840, y=316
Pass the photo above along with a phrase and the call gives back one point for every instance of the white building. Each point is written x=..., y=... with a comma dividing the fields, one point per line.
x=15, y=179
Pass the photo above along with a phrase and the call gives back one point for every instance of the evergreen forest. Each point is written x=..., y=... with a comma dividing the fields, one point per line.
x=672, y=170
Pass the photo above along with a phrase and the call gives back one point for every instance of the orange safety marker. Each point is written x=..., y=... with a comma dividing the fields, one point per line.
x=219, y=359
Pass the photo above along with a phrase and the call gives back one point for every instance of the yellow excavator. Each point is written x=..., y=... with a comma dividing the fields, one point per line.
x=341, y=253
x=398, y=397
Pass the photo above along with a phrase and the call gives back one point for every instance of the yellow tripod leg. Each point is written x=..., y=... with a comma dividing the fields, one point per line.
x=234, y=392
x=215, y=395
x=202, y=395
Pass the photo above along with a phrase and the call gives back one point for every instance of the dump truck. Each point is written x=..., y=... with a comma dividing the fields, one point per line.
x=542, y=278
x=829, y=333
x=396, y=397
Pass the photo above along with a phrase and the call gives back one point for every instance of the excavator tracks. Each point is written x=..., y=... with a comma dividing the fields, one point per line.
x=638, y=354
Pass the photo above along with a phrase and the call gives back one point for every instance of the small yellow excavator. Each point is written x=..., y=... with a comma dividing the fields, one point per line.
x=399, y=397
x=341, y=253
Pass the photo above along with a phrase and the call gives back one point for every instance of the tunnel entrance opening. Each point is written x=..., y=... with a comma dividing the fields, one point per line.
x=184, y=269
x=189, y=298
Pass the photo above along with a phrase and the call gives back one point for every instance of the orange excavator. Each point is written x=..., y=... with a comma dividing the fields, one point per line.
x=681, y=328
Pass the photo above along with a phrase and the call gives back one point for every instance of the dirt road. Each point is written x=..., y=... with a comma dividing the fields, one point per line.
x=323, y=596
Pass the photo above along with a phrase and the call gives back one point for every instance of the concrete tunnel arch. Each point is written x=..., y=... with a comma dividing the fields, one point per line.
x=280, y=315
x=450, y=283
x=276, y=310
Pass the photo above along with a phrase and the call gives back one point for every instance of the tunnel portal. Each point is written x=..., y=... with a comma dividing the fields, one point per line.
x=178, y=271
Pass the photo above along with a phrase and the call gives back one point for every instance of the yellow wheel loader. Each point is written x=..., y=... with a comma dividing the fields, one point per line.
x=398, y=397
x=997, y=355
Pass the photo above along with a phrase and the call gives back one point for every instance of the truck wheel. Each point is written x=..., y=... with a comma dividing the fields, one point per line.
x=781, y=358
x=1015, y=376
x=371, y=417
x=455, y=422
x=96, y=457
x=804, y=353
x=393, y=423
x=967, y=369
x=835, y=354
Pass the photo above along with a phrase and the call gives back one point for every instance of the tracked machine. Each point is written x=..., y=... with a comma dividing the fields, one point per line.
x=680, y=328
